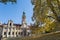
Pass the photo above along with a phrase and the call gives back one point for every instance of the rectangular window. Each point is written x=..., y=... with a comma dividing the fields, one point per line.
x=13, y=33
x=16, y=33
x=4, y=33
x=9, y=33
x=19, y=33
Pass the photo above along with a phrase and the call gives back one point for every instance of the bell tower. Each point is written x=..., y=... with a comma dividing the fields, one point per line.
x=23, y=18
x=25, y=28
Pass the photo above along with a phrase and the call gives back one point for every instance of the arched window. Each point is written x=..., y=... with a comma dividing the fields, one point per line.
x=10, y=24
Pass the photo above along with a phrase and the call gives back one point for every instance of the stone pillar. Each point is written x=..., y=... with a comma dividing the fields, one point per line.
x=11, y=33
x=3, y=33
x=7, y=32
x=14, y=32
x=17, y=32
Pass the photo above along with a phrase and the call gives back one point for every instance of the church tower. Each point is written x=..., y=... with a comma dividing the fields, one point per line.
x=24, y=24
x=23, y=18
x=25, y=28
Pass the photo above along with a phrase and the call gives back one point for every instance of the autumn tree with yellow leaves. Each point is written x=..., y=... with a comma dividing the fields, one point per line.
x=46, y=12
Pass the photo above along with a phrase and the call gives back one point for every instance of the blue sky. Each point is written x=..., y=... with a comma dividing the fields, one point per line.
x=15, y=11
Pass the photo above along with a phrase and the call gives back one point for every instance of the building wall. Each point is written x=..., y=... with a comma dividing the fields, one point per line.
x=11, y=30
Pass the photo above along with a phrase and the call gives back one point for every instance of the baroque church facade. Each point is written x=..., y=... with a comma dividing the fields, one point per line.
x=16, y=30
